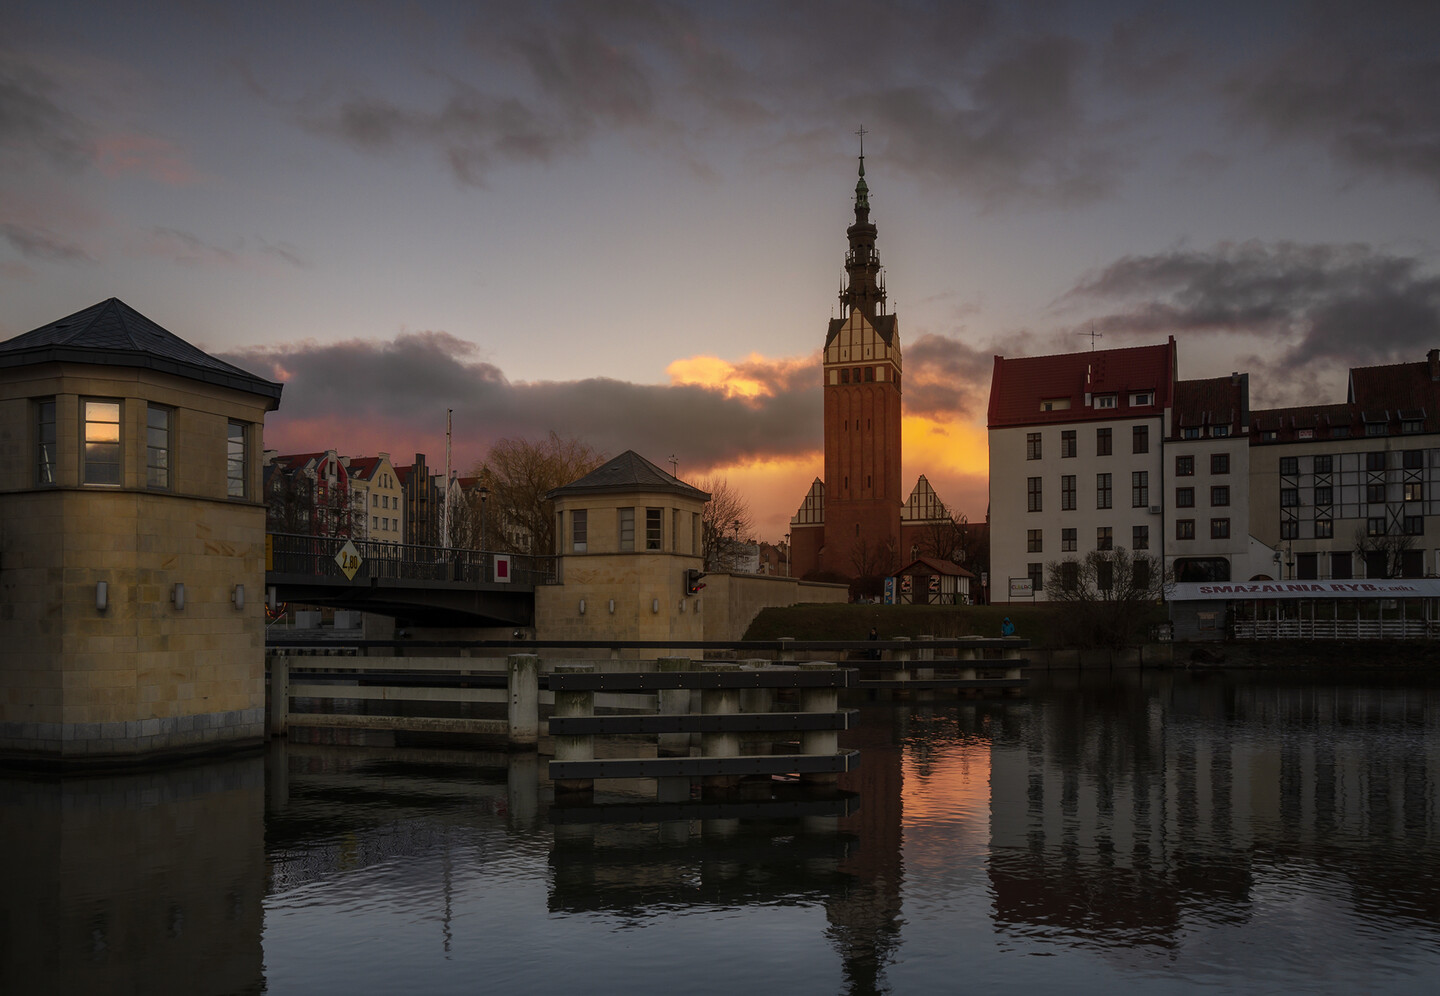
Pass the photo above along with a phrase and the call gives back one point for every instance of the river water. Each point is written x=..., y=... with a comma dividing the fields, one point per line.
x=1135, y=832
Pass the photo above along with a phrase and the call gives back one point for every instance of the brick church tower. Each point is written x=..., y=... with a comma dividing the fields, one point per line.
x=850, y=523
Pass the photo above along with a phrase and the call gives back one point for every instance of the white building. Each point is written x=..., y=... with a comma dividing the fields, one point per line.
x=1076, y=464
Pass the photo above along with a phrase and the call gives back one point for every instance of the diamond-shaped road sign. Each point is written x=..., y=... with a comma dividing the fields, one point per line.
x=349, y=560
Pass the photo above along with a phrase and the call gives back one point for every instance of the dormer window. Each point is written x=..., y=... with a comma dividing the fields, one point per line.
x=1220, y=431
x=1140, y=398
x=1106, y=401
x=1055, y=404
x=1190, y=432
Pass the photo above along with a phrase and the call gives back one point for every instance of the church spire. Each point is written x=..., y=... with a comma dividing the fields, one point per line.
x=864, y=290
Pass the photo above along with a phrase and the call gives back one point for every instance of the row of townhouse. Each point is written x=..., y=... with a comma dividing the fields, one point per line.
x=363, y=498
x=1098, y=450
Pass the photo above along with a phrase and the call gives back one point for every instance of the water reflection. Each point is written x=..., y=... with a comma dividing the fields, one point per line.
x=147, y=882
x=1242, y=832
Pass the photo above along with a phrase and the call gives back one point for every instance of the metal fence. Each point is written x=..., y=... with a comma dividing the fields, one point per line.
x=317, y=556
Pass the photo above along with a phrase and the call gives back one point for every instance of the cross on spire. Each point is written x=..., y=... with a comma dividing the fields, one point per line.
x=862, y=133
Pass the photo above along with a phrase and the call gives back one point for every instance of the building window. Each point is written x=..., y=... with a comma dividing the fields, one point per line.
x=1140, y=439
x=1375, y=460
x=1289, y=497
x=653, y=525
x=1139, y=488
x=1289, y=529
x=1412, y=425
x=1220, y=495
x=1342, y=566
x=1069, y=575
x=45, y=441
x=1414, y=459
x=1220, y=431
x=1102, y=490
x=237, y=460
x=627, y=529
x=1268, y=436
x=1377, y=429
x=1184, y=466
x=1034, y=541
x=1323, y=464
x=1375, y=494
x=579, y=520
x=1140, y=537
x=1184, y=497
x=1032, y=446
x=1037, y=576
x=1102, y=442
x=1067, y=541
x=845, y=375
x=869, y=375
x=1190, y=432
x=1324, y=495
x=1289, y=466
x=1414, y=525
x=102, y=442
x=1104, y=538
x=1339, y=432
x=1219, y=528
x=1375, y=525
x=1105, y=401
x=1306, y=566
x=1141, y=398
x=1067, y=493
x=1219, y=463
x=1184, y=529
x=1105, y=575
x=157, y=447
x=1324, y=529
x=1032, y=494
x=1067, y=443
x=1413, y=491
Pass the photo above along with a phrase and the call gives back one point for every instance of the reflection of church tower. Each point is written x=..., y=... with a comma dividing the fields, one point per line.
x=862, y=413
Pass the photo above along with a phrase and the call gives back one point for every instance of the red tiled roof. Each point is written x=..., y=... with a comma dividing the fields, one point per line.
x=1020, y=384
x=932, y=565
x=1215, y=401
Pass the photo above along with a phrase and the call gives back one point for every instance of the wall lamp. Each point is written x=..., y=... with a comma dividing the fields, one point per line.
x=237, y=595
x=177, y=594
x=102, y=595
x=655, y=605
x=612, y=606
x=582, y=606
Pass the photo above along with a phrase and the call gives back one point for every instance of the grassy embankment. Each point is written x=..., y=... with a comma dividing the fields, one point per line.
x=1042, y=625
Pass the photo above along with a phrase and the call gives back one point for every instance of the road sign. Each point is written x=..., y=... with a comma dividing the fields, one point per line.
x=349, y=560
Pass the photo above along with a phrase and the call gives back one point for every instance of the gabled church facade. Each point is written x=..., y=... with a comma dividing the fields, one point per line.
x=853, y=523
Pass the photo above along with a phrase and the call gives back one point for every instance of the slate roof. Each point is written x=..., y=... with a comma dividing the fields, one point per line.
x=112, y=333
x=1019, y=384
x=626, y=473
x=884, y=326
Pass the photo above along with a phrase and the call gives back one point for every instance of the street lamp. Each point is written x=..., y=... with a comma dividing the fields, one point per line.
x=787, y=555
x=484, y=495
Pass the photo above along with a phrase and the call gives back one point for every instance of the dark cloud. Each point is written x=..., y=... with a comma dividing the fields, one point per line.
x=1359, y=80
x=968, y=95
x=411, y=380
x=945, y=377
x=31, y=119
x=1341, y=304
x=38, y=243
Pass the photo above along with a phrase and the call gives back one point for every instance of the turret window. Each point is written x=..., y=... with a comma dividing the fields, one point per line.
x=845, y=376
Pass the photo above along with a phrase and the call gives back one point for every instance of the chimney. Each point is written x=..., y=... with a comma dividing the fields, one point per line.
x=1235, y=376
x=1434, y=357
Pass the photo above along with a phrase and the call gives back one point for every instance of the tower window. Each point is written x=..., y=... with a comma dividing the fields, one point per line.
x=869, y=375
x=845, y=376
x=857, y=375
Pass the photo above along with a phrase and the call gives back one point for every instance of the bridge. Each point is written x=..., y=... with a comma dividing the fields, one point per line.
x=424, y=585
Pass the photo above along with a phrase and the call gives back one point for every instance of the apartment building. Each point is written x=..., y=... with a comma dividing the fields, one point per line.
x=1076, y=445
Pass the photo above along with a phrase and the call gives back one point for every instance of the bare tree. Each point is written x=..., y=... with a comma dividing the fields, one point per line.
x=1384, y=555
x=943, y=537
x=1107, y=592
x=519, y=474
x=725, y=519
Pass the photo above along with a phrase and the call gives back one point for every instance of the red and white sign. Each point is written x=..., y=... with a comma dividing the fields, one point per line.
x=502, y=567
x=1192, y=591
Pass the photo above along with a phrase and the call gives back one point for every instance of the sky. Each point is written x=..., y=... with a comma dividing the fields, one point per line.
x=625, y=221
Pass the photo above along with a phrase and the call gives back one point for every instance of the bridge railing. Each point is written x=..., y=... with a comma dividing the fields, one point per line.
x=315, y=556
